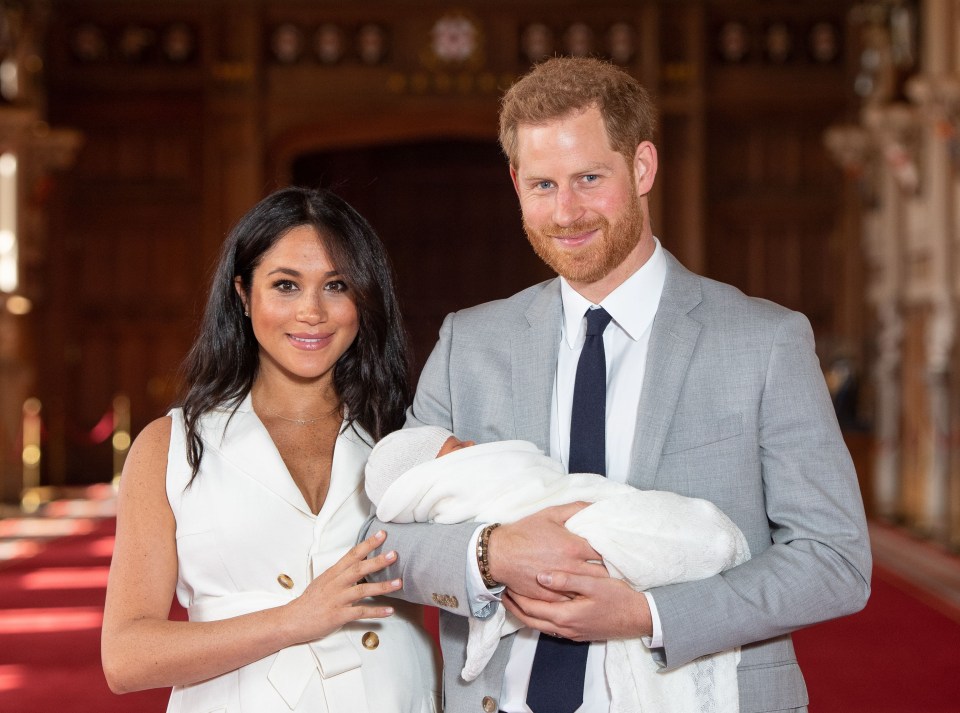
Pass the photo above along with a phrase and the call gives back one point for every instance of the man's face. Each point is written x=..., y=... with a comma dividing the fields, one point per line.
x=582, y=203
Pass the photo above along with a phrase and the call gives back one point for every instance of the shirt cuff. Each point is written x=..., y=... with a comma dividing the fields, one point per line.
x=483, y=601
x=655, y=641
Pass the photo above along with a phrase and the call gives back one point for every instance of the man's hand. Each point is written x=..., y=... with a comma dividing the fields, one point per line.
x=592, y=609
x=519, y=551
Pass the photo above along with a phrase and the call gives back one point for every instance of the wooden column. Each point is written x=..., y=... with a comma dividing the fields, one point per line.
x=233, y=149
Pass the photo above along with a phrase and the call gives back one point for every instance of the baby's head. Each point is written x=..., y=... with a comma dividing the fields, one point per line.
x=401, y=450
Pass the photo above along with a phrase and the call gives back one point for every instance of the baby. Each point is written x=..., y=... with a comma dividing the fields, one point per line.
x=402, y=450
x=647, y=538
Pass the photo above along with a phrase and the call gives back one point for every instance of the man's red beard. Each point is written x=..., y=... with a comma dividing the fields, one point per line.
x=595, y=261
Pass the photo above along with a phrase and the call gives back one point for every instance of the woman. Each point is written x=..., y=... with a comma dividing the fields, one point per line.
x=247, y=498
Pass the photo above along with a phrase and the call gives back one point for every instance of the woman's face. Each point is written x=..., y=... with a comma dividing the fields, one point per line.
x=303, y=313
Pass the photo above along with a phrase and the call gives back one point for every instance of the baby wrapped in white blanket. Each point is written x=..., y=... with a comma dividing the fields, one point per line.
x=647, y=538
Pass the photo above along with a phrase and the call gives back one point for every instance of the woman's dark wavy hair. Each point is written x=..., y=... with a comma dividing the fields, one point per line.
x=372, y=377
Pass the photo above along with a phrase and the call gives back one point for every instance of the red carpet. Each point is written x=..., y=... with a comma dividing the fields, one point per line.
x=51, y=609
x=897, y=656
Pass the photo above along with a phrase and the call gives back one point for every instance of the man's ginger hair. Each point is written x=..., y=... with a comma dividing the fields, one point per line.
x=562, y=86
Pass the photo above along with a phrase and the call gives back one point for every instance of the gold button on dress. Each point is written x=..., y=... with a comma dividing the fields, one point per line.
x=370, y=640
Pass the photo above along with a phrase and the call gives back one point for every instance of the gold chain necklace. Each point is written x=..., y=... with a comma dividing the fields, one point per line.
x=298, y=421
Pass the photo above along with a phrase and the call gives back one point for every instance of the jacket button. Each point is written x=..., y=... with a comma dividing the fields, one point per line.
x=285, y=581
x=370, y=640
x=489, y=705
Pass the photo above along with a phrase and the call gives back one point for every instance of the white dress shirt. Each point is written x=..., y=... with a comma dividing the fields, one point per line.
x=633, y=306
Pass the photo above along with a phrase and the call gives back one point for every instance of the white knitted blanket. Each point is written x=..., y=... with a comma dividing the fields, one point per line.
x=648, y=538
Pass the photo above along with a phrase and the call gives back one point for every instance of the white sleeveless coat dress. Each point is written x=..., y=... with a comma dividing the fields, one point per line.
x=247, y=541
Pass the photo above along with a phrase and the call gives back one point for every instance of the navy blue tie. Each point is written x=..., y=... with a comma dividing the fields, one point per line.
x=559, y=665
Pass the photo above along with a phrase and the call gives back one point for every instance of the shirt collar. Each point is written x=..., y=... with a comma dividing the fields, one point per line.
x=633, y=305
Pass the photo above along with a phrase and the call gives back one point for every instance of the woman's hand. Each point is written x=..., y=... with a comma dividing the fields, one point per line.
x=331, y=600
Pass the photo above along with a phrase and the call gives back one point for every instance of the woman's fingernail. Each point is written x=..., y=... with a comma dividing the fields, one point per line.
x=387, y=611
x=391, y=556
x=380, y=534
x=545, y=578
x=395, y=583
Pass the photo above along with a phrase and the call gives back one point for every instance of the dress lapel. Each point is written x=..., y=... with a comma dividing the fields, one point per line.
x=534, y=359
x=252, y=452
x=346, y=473
x=247, y=446
x=672, y=341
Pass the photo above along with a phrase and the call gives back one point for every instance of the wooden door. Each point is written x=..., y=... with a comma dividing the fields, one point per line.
x=448, y=215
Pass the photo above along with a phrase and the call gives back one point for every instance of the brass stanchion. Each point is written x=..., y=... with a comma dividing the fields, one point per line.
x=30, y=494
x=121, y=434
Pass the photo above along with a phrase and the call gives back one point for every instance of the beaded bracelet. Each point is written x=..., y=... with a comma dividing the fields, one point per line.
x=483, y=552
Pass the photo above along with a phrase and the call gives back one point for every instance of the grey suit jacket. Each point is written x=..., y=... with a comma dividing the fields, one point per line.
x=734, y=410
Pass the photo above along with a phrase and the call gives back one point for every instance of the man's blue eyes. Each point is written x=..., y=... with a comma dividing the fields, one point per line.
x=589, y=178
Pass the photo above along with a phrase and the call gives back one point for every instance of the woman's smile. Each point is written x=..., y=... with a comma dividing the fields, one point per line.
x=310, y=342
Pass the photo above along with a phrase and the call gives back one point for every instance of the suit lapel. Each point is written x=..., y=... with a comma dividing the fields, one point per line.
x=534, y=360
x=672, y=341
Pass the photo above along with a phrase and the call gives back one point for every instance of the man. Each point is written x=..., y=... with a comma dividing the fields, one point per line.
x=703, y=391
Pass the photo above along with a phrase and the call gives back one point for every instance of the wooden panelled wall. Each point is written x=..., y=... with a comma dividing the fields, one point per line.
x=192, y=112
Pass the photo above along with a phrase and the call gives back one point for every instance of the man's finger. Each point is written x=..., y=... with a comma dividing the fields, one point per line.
x=534, y=622
x=520, y=611
x=538, y=593
x=562, y=513
x=591, y=569
x=572, y=584
x=538, y=608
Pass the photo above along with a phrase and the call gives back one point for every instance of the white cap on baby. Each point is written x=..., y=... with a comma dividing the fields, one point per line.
x=397, y=453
